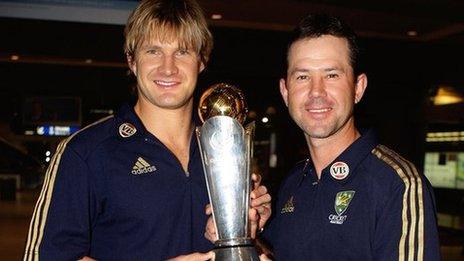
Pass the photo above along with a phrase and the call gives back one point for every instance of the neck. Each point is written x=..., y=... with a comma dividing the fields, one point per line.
x=166, y=123
x=325, y=150
x=173, y=127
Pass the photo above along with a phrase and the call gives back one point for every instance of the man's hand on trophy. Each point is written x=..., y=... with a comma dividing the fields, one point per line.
x=210, y=232
x=260, y=204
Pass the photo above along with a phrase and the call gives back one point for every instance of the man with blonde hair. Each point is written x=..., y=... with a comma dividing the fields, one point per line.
x=131, y=186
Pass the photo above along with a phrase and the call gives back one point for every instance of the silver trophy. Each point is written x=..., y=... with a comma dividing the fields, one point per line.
x=226, y=151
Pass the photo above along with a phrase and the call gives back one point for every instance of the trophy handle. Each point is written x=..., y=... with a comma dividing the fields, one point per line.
x=249, y=136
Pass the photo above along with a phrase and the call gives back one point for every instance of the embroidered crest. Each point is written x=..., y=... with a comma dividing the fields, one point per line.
x=342, y=201
x=289, y=207
x=339, y=170
x=126, y=130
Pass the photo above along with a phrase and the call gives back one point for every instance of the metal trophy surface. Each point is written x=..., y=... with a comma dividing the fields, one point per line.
x=226, y=149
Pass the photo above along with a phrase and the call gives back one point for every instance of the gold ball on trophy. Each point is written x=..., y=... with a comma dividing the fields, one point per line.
x=223, y=99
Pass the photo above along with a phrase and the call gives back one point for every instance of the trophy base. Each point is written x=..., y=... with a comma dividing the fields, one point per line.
x=236, y=253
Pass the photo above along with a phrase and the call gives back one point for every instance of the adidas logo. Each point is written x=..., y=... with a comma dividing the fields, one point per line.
x=289, y=207
x=142, y=167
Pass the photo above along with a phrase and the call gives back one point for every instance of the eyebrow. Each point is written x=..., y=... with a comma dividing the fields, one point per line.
x=298, y=70
x=335, y=68
x=302, y=70
x=150, y=46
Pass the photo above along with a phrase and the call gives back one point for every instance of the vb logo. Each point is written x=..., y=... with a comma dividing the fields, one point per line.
x=339, y=170
x=126, y=130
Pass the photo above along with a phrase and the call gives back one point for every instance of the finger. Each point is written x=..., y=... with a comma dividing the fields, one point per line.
x=86, y=258
x=259, y=191
x=210, y=231
x=208, y=209
x=264, y=217
x=210, y=225
x=256, y=178
x=253, y=218
x=210, y=237
x=264, y=199
x=208, y=256
x=263, y=257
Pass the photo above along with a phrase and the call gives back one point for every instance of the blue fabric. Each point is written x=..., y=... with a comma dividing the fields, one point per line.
x=371, y=227
x=101, y=209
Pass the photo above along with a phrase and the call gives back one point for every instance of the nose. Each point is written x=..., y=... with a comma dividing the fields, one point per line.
x=317, y=87
x=168, y=65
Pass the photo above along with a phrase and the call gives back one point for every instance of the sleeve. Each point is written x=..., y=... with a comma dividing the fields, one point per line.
x=60, y=225
x=406, y=228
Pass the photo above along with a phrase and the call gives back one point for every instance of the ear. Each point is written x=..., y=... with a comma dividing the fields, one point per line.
x=283, y=90
x=202, y=67
x=131, y=63
x=360, y=87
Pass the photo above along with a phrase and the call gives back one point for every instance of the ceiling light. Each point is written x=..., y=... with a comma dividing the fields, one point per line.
x=447, y=95
x=14, y=57
x=412, y=33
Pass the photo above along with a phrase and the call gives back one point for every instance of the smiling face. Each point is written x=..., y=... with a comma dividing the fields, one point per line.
x=166, y=74
x=320, y=90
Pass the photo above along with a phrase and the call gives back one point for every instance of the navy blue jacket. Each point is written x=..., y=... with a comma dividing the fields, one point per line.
x=370, y=204
x=113, y=194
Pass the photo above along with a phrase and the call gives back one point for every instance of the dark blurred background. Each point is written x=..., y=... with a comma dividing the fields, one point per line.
x=62, y=67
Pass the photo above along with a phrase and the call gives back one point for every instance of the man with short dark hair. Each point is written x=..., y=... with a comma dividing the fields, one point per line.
x=352, y=199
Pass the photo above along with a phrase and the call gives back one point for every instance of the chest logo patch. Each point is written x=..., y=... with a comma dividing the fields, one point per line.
x=289, y=207
x=126, y=130
x=342, y=201
x=141, y=166
x=339, y=170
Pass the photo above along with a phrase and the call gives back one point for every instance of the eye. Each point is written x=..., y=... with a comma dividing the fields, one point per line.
x=302, y=77
x=332, y=76
x=153, y=51
x=182, y=52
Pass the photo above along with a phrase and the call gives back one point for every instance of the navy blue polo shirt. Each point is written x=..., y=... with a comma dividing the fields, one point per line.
x=115, y=192
x=369, y=204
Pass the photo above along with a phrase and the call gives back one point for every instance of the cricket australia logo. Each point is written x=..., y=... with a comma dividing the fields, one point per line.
x=289, y=207
x=141, y=166
x=342, y=201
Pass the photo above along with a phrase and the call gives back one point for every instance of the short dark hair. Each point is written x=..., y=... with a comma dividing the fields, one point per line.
x=317, y=25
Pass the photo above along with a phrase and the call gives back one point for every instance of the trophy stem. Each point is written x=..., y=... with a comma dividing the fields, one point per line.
x=237, y=253
x=233, y=242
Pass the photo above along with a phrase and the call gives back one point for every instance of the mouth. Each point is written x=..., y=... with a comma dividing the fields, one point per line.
x=166, y=84
x=320, y=110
